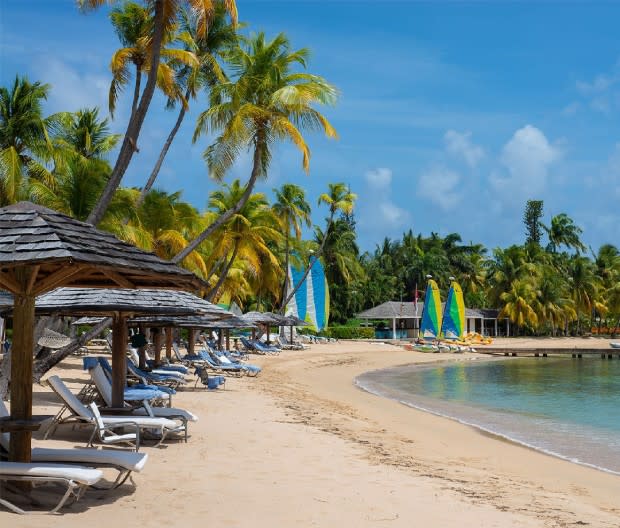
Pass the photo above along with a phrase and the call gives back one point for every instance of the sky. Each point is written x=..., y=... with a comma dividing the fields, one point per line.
x=451, y=115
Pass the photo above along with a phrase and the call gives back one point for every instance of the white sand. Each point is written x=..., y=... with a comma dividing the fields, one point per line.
x=301, y=446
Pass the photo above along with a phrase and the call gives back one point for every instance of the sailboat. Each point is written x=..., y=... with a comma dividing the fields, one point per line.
x=431, y=317
x=453, y=321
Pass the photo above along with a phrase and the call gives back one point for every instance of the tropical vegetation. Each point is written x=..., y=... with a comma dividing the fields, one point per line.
x=254, y=92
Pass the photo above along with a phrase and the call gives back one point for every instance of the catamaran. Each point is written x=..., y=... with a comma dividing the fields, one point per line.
x=431, y=316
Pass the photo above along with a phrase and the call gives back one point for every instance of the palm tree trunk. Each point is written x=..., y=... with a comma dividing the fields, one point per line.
x=316, y=257
x=224, y=273
x=224, y=217
x=162, y=154
x=613, y=333
x=41, y=367
x=286, y=260
x=136, y=92
x=130, y=141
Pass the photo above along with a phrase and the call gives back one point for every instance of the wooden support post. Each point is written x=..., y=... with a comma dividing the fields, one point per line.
x=220, y=339
x=169, y=343
x=119, y=359
x=21, y=365
x=158, y=342
x=291, y=334
x=228, y=339
x=191, y=341
x=142, y=349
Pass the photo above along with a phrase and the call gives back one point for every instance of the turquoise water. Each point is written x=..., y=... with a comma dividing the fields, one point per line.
x=562, y=406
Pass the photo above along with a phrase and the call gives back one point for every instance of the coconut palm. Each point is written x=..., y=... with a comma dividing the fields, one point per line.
x=563, y=232
x=133, y=25
x=518, y=303
x=220, y=36
x=584, y=285
x=164, y=14
x=245, y=235
x=85, y=134
x=338, y=199
x=25, y=144
x=553, y=303
x=293, y=211
x=266, y=103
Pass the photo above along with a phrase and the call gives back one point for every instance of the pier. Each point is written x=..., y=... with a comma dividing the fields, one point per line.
x=604, y=353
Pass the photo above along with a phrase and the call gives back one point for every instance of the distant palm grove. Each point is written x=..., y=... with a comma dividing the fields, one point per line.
x=253, y=93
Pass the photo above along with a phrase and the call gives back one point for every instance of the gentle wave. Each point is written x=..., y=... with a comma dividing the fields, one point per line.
x=367, y=383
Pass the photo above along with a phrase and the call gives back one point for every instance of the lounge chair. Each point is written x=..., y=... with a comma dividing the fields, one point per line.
x=159, y=369
x=137, y=391
x=124, y=462
x=171, y=379
x=105, y=390
x=75, y=478
x=210, y=382
x=106, y=432
x=81, y=414
x=262, y=347
x=225, y=358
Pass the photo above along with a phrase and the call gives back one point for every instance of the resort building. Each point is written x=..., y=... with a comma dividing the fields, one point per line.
x=404, y=320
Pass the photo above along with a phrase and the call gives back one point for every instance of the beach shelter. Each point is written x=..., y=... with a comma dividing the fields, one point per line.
x=127, y=303
x=291, y=320
x=266, y=319
x=40, y=250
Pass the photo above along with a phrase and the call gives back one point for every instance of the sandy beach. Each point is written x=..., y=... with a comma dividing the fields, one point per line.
x=301, y=445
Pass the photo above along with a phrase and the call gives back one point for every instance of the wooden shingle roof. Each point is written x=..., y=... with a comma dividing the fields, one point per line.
x=73, y=253
x=407, y=310
x=94, y=301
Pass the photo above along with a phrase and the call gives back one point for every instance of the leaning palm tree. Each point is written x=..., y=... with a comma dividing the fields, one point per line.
x=208, y=49
x=294, y=211
x=164, y=17
x=338, y=199
x=584, y=285
x=246, y=235
x=266, y=103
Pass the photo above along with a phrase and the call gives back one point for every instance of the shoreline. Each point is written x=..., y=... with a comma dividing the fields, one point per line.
x=301, y=445
x=505, y=437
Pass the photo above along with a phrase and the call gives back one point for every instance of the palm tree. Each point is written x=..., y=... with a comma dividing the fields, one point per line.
x=293, y=210
x=518, y=303
x=25, y=144
x=84, y=133
x=338, y=199
x=563, y=232
x=584, y=285
x=553, y=304
x=266, y=103
x=221, y=36
x=245, y=235
x=163, y=20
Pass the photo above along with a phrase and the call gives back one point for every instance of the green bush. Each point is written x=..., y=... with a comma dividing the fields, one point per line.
x=350, y=332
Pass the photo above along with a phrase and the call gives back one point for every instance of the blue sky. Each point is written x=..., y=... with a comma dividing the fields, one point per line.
x=451, y=115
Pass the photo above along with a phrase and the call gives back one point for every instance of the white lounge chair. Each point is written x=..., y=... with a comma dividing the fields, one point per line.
x=124, y=462
x=104, y=387
x=76, y=478
x=82, y=414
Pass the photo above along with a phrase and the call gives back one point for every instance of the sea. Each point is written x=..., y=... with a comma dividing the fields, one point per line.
x=569, y=408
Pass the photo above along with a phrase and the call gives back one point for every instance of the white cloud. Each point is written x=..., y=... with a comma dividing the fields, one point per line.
x=601, y=93
x=73, y=89
x=380, y=178
x=571, y=109
x=440, y=185
x=378, y=212
x=460, y=145
x=527, y=157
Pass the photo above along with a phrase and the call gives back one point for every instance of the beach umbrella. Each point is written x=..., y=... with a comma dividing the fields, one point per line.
x=262, y=318
x=163, y=304
x=293, y=320
x=40, y=250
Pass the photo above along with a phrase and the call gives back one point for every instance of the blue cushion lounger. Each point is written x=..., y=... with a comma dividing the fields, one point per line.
x=80, y=413
x=131, y=393
x=210, y=382
x=105, y=390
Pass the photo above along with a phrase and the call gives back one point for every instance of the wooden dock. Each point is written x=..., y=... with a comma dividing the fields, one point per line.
x=604, y=353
